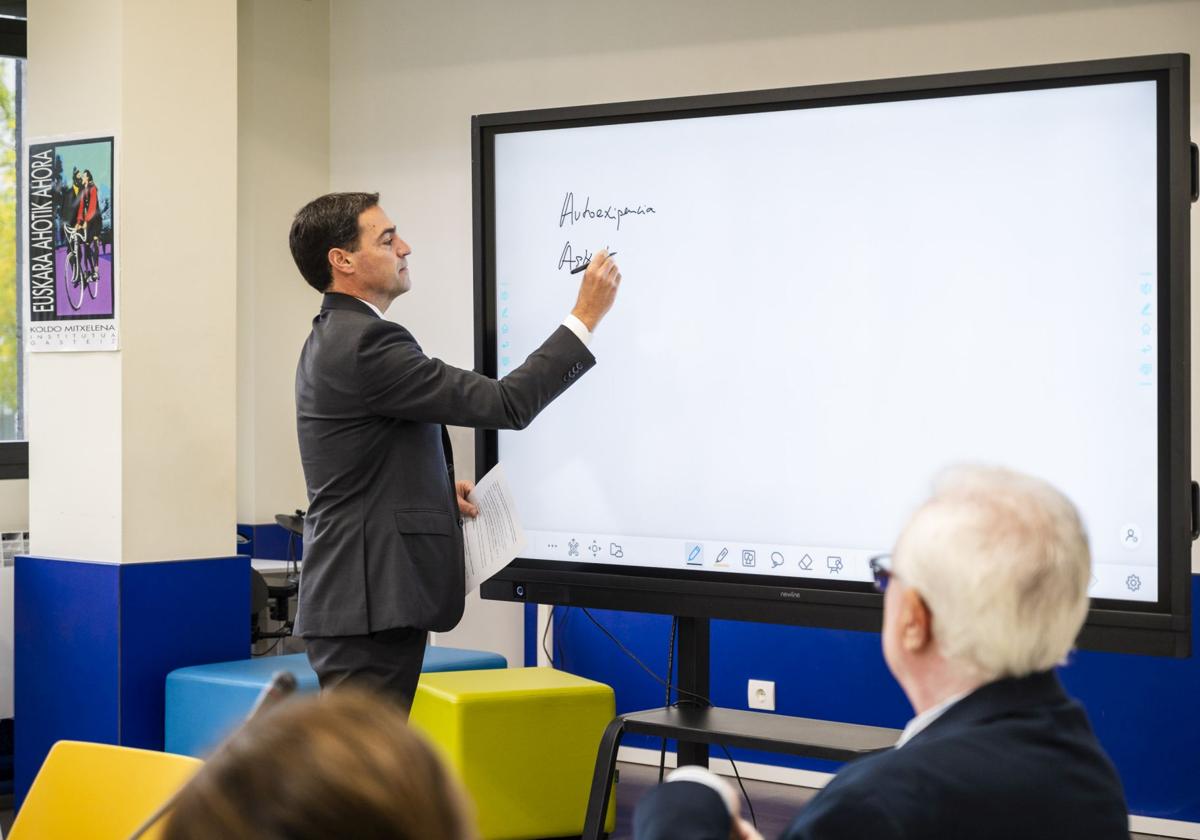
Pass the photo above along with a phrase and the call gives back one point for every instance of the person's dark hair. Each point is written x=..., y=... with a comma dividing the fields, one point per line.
x=339, y=764
x=330, y=221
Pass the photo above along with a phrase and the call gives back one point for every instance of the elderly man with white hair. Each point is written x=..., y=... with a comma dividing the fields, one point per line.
x=983, y=596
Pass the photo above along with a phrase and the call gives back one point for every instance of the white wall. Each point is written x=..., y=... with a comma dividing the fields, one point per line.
x=283, y=162
x=407, y=76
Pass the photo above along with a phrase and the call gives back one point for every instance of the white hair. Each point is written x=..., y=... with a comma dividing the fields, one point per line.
x=1001, y=559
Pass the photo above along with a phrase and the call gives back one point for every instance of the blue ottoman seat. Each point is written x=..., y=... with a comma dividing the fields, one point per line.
x=204, y=703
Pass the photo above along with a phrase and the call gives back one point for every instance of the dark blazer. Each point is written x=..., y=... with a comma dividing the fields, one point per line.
x=1014, y=760
x=383, y=543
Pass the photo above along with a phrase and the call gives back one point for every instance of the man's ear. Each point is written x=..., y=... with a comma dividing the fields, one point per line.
x=341, y=261
x=916, y=622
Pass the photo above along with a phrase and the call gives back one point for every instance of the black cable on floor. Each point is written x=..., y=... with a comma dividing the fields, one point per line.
x=738, y=776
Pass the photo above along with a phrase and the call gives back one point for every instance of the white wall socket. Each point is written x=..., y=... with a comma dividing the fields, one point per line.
x=760, y=694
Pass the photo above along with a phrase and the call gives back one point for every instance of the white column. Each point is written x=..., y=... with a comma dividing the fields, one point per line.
x=132, y=453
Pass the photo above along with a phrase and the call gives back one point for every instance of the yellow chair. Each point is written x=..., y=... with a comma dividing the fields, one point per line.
x=99, y=791
x=523, y=741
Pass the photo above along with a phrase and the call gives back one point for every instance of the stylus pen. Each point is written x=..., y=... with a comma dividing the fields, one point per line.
x=583, y=267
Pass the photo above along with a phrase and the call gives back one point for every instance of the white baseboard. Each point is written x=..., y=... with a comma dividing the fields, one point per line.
x=813, y=779
x=1167, y=828
x=746, y=769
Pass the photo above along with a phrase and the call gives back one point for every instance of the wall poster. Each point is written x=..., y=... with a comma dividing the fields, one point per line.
x=71, y=240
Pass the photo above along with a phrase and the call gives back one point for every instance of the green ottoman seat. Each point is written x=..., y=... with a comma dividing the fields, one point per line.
x=523, y=741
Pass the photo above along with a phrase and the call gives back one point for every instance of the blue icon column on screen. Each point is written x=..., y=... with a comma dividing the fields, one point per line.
x=694, y=554
x=505, y=359
x=1146, y=368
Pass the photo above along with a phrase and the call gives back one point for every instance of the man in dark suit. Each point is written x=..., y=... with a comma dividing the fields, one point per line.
x=383, y=544
x=986, y=595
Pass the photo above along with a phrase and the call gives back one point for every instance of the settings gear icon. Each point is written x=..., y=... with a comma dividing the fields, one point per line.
x=1133, y=583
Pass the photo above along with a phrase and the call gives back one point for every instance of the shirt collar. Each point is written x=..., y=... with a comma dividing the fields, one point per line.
x=923, y=720
x=374, y=308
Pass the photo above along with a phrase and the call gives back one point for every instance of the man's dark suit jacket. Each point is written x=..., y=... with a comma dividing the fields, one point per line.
x=383, y=543
x=1014, y=760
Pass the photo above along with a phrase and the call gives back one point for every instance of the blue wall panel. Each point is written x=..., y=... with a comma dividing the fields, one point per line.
x=1146, y=712
x=269, y=542
x=65, y=649
x=175, y=614
x=531, y=639
x=1144, y=708
x=95, y=641
x=579, y=647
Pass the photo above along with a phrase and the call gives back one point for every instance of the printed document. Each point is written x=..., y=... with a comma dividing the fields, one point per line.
x=495, y=537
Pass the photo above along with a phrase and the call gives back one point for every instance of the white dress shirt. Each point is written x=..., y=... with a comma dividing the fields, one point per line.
x=579, y=328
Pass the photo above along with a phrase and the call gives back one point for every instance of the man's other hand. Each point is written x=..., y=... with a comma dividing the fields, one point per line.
x=744, y=830
x=464, y=489
x=598, y=290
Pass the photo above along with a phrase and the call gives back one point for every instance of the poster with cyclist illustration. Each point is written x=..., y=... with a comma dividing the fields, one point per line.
x=72, y=245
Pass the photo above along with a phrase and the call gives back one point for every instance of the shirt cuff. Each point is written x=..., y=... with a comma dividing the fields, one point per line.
x=579, y=328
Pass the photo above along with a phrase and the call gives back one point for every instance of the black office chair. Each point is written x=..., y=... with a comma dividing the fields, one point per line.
x=264, y=595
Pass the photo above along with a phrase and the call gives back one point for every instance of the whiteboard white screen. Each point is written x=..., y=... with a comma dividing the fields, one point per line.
x=821, y=308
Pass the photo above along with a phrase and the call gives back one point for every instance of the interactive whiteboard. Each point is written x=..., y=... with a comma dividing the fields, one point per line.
x=824, y=306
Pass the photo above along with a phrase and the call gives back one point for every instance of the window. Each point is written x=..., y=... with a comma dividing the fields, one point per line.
x=14, y=451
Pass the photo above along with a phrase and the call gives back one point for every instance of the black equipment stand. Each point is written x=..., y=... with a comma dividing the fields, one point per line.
x=695, y=726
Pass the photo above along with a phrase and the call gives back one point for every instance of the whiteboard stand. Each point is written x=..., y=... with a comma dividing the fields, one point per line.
x=694, y=726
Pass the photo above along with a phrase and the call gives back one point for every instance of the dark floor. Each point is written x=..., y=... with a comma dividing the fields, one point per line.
x=774, y=804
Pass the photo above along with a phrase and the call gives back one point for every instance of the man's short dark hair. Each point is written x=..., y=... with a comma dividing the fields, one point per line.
x=330, y=221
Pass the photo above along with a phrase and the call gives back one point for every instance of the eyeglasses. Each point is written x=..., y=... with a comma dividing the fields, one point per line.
x=881, y=570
